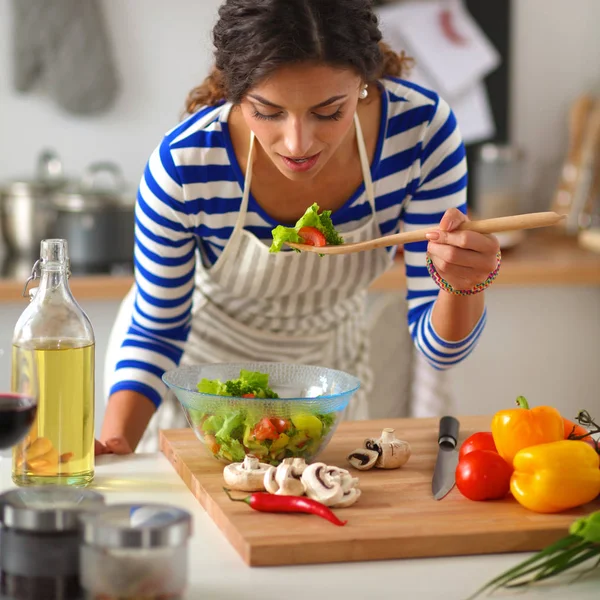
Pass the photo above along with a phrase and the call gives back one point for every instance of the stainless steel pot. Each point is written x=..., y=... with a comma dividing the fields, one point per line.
x=26, y=212
x=96, y=219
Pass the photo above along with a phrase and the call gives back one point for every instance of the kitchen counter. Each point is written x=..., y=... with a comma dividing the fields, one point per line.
x=544, y=258
x=217, y=572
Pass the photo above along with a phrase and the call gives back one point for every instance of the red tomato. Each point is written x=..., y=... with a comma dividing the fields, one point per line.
x=478, y=441
x=571, y=427
x=248, y=396
x=265, y=430
x=312, y=237
x=280, y=424
x=483, y=475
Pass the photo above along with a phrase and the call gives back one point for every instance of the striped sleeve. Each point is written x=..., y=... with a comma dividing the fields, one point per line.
x=164, y=263
x=439, y=184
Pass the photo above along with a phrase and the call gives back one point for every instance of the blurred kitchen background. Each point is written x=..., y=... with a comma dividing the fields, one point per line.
x=79, y=118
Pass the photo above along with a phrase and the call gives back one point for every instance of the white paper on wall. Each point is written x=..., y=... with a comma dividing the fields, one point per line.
x=445, y=40
x=471, y=105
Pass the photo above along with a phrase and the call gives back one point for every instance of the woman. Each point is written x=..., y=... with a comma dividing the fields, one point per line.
x=305, y=104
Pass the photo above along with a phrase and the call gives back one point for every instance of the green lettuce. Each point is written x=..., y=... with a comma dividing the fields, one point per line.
x=311, y=218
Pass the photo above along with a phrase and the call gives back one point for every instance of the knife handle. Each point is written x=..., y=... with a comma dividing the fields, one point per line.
x=448, y=435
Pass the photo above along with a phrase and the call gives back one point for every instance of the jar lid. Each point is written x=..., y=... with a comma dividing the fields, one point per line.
x=137, y=526
x=49, y=177
x=93, y=195
x=46, y=509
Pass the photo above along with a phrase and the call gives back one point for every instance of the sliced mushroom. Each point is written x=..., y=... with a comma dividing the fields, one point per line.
x=393, y=453
x=348, y=499
x=285, y=479
x=330, y=485
x=289, y=485
x=247, y=476
x=363, y=459
x=269, y=480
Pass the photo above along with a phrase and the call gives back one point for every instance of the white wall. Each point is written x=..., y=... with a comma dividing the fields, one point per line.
x=163, y=49
x=556, y=57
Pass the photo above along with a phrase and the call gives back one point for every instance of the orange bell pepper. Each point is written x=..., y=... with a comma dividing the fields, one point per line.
x=550, y=478
x=519, y=428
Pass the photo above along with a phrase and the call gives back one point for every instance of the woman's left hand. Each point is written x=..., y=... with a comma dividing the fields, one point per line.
x=462, y=258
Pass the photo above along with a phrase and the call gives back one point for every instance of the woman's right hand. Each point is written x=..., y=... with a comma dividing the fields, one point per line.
x=115, y=445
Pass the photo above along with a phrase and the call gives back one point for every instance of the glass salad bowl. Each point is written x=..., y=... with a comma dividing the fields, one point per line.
x=298, y=423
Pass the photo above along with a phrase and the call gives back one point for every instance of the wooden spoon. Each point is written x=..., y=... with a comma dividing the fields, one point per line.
x=512, y=223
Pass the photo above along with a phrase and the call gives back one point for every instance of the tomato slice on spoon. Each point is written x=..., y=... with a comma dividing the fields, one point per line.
x=312, y=237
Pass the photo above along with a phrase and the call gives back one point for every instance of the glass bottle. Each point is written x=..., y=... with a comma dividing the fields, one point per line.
x=60, y=446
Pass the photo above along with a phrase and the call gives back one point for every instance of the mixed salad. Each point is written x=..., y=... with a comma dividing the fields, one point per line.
x=312, y=228
x=232, y=435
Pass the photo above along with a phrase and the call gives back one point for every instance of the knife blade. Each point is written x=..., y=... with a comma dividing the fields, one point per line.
x=447, y=458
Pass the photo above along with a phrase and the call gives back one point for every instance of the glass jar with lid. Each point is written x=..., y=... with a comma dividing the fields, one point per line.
x=498, y=187
x=40, y=539
x=134, y=551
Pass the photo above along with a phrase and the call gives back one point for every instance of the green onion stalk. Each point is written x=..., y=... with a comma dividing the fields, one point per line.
x=580, y=547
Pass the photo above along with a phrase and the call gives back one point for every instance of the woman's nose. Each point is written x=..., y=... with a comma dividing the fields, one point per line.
x=298, y=139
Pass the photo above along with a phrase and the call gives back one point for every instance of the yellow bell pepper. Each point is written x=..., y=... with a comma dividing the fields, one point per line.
x=519, y=428
x=550, y=478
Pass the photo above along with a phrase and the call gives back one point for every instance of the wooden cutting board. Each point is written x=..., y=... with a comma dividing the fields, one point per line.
x=395, y=517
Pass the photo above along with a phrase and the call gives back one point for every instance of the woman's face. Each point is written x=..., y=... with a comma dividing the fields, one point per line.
x=301, y=115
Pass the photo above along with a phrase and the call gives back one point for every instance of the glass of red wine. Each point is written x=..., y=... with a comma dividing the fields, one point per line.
x=18, y=407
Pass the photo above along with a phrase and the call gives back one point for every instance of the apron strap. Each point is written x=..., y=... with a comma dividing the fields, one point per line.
x=364, y=163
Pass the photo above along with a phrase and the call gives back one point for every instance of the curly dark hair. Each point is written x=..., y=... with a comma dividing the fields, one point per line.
x=253, y=38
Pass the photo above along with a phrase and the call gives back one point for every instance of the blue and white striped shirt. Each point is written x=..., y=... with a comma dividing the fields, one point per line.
x=189, y=198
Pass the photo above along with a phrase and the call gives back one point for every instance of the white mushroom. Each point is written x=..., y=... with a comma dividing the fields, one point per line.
x=363, y=459
x=329, y=485
x=269, y=480
x=285, y=479
x=393, y=453
x=289, y=485
x=247, y=476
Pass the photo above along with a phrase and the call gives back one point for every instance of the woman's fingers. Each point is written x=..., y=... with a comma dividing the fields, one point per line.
x=118, y=445
x=99, y=448
x=446, y=256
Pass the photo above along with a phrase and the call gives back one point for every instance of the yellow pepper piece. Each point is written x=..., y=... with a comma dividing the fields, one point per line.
x=308, y=423
x=280, y=443
x=550, y=478
x=519, y=428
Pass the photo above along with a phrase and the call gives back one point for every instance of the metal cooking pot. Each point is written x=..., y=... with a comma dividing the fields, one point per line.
x=96, y=219
x=26, y=212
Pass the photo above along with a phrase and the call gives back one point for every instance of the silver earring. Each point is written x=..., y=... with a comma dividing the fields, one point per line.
x=364, y=92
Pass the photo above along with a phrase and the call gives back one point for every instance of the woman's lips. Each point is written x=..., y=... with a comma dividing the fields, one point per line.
x=300, y=165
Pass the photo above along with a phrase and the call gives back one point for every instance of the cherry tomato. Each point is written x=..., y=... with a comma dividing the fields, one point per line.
x=248, y=395
x=478, y=441
x=579, y=430
x=265, y=430
x=280, y=425
x=312, y=237
x=483, y=475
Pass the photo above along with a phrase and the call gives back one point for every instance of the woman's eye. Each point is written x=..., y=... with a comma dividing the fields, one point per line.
x=336, y=116
x=259, y=115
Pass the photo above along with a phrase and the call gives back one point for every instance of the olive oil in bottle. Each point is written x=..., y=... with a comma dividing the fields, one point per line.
x=59, y=449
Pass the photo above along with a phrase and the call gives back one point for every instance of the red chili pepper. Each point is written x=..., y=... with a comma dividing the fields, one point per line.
x=265, y=502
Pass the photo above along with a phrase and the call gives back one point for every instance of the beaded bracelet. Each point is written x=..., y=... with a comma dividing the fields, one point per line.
x=444, y=285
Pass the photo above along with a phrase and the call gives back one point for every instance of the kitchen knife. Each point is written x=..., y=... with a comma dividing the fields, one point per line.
x=447, y=459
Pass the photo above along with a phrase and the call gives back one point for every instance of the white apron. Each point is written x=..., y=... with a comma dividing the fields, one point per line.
x=252, y=305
